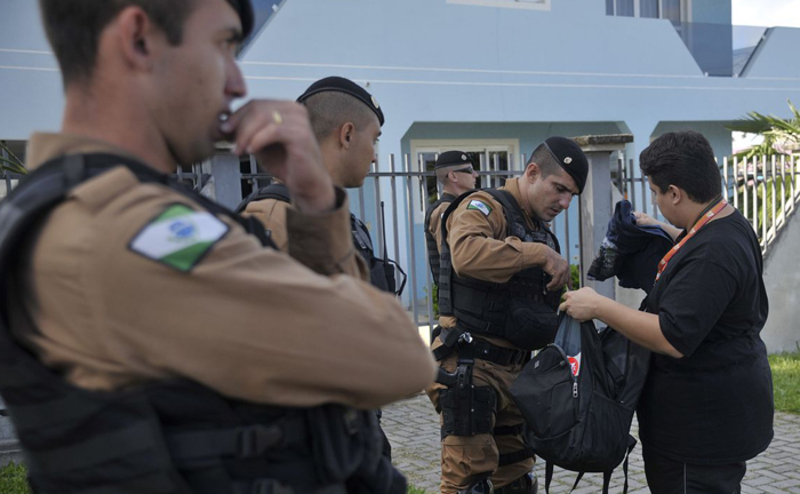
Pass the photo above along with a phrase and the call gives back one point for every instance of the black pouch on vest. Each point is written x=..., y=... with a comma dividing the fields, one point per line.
x=531, y=324
x=338, y=447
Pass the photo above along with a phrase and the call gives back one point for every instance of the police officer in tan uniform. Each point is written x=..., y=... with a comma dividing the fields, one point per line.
x=501, y=277
x=455, y=174
x=346, y=120
x=159, y=313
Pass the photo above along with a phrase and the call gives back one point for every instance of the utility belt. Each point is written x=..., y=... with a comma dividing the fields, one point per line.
x=470, y=348
x=467, y=409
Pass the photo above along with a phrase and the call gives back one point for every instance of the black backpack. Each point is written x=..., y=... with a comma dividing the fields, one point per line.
x=582, y=423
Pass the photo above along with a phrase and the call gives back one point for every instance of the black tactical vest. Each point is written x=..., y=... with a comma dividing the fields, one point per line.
x=521, y=310
x=381, y=271
x=172, y=437
x=430, y=240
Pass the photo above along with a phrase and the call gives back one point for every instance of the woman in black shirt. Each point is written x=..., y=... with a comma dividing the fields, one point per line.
x=707, y=406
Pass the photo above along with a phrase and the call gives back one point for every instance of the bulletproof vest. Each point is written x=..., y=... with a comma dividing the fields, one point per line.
x=171, y=437
x=521, y=310
x=430, y=240
x=381, y=271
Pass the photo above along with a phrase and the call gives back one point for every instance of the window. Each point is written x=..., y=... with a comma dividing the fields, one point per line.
x=671, y=10
x=624, y=8
x=653, y=9
x=509, y=4
x=489, y=155
x=648, y=8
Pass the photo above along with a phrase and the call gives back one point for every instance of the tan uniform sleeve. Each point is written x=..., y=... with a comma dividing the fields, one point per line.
x=272, y=214
x=324, y=242
x=249, y=322
x=435, y=226
x=480, y=248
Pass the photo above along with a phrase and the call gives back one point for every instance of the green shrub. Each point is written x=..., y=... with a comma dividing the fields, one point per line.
x=12, y=479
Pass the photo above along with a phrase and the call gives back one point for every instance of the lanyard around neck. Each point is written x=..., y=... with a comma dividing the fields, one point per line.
x=701, y=222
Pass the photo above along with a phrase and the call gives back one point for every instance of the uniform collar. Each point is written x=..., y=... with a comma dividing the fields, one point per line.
x=512, y=186
x=43, y=147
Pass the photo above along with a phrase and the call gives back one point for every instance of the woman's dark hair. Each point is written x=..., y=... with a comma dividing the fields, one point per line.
x=683, y=159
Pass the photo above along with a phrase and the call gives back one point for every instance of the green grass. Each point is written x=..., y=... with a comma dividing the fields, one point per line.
x=786, y=381
x=12, y=480
x=416, y=490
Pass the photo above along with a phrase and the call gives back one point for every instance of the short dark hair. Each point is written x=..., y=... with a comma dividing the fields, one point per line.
x=545, y=161
x=686, y=160
x=329, y=110
x=73, y=28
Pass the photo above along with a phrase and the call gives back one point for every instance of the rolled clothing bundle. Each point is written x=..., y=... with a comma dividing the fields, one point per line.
x=629, y=251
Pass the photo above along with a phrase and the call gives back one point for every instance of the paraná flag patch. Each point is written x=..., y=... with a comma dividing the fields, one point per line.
x=480, y=206
x=179, y=237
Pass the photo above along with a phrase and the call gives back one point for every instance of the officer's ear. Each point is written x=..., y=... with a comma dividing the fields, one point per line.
x=136, y=36
x=346, y=133
x=532, y=172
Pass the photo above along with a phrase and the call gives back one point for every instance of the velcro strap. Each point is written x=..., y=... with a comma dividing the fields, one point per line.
x=262, y=486
x=515, y=457
x=481, y=349
x=449, y=337
x=239, y=442
x=102, y=448
x=478, y=325
x=508, y=430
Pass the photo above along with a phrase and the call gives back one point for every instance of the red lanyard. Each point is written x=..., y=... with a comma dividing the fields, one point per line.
x=705, y=218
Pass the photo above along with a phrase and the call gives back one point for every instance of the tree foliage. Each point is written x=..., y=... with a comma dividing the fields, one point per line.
x=781, y=136
x=9, y=161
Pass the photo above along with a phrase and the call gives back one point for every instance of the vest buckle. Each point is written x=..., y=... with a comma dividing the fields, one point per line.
x=255, y=440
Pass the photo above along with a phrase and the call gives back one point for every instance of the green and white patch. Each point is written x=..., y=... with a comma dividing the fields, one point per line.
x=480, y=206
x=179, y=237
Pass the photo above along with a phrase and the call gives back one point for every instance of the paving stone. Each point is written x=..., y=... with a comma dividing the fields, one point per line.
x=412, y=427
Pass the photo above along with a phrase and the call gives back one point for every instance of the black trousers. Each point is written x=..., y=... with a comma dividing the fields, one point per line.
x=667, y=476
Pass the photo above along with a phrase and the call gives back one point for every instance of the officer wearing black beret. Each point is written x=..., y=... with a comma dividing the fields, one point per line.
x=346, y=120
x=455, y=174
x=500, y=281
x=239, y=369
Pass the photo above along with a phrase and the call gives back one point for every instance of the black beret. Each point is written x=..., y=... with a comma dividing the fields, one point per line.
x=571, y=158
x=346, y=86
x=452, y=158
x=245, y=10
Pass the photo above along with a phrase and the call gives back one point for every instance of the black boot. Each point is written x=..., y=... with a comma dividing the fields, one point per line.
x=483, y=486
x=527, y=484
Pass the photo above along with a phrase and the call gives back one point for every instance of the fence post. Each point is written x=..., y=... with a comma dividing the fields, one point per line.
x=226, y=185
x=595, y=201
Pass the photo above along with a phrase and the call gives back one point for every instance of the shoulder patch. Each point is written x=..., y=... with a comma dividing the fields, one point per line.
x=480, y=206
x=179, y=237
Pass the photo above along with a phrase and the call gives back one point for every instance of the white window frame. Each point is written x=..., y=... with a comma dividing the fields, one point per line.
x=686, y=9
x=438, y=146
x=506, y=4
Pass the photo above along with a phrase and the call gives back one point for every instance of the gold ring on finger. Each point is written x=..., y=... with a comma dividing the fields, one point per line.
x=276, y=117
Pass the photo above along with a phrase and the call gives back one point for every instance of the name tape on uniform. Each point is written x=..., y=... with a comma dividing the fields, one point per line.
x=480, y=206
x=179, y=237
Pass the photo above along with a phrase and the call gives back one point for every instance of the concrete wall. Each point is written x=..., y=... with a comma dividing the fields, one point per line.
x=782, y=280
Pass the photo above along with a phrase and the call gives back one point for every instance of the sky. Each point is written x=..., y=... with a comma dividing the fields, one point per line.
x=766, y=13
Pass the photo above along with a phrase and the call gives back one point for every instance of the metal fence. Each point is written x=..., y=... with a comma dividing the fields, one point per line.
x=766, y=191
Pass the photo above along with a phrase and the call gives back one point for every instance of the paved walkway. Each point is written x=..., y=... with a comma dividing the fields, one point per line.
x=413, y=429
